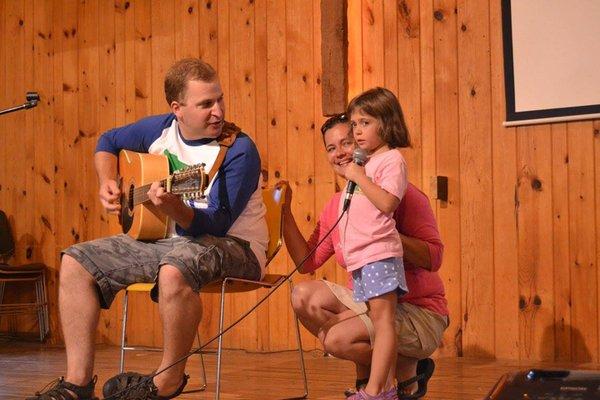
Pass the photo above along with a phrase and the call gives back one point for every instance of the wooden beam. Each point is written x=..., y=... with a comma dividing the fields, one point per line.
x=334, y=56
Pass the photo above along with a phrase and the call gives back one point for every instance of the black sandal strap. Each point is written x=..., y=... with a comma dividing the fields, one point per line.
x=410, y=381
x=361, y=382
x=186, y=377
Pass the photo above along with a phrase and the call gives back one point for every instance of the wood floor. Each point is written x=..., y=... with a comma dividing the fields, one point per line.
x=27, y=367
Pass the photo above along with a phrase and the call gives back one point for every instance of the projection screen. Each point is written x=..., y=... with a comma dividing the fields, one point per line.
x=551, y=60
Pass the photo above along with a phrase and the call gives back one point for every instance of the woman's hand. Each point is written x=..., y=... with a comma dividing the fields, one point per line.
x=287, y=199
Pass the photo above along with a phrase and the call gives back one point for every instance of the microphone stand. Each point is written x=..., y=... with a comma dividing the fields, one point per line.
x=32, y=101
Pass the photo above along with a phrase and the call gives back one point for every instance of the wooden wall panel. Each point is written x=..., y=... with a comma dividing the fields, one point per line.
x=3, y=95
x=520, y=227
x=243, y=83
x=373, y=43
x=596, y=133
x=276, y=165
x=324, y=178
x=407, y=77
x=504, y=175
x=448, y=163
x=561, y=243
x=474, y=97
x=534, y=216
x=582, y=244
x=301, y=81
x=186, y=20
x=427, y=98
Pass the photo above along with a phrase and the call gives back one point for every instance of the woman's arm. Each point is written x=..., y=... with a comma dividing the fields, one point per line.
x=416, y=252
x=298, y=248
x=296, y=244
x=416, y=223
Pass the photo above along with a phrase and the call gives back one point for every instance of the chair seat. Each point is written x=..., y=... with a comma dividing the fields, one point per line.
x=20, y=270
x=140, y=287
x=235, y=285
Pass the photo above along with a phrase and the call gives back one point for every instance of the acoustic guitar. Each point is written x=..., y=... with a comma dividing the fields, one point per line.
x=137, y=171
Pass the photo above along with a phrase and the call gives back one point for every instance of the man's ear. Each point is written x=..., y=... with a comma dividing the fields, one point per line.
x=175, y=108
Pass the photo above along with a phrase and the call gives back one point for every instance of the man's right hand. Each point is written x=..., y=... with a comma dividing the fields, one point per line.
x=109, y=196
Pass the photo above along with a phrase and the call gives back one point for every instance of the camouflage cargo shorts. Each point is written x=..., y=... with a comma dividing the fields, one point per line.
x=115, y=262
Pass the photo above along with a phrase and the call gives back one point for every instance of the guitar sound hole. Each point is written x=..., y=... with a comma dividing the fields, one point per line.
x=127, y=209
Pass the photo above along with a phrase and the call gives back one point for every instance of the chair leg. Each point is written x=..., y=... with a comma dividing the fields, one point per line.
x=299, y=342
x=124, y=332
x=39, y=303
x=202, y=367
x=1, y=294
x=220, y=346
x=45, y=307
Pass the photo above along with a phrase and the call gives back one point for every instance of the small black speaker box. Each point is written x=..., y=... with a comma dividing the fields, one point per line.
x=538, y=384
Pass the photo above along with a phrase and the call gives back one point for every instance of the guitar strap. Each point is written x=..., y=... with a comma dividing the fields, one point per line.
x=225, y=140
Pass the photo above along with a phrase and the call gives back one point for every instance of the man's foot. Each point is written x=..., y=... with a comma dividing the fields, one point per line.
x=63, y=390
x=133, y=385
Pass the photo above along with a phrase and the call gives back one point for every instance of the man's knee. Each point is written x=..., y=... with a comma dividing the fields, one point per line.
x=72, y=272
x=171, y=282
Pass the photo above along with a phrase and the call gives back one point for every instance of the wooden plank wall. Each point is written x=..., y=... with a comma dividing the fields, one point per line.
x=520, y=226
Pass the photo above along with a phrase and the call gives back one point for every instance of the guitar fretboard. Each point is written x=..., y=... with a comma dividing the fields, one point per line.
x=139, y=194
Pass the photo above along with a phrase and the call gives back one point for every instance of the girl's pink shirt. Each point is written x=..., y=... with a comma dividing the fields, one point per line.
x=366, y=233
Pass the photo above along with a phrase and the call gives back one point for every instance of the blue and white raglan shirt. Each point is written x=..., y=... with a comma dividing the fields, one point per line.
x=233, y=204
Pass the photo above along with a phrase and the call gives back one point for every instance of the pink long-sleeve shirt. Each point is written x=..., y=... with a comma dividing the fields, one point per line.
x=414, y=218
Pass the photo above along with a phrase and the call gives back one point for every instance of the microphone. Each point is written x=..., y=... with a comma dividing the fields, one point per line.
x=32, y=100
x=359, y=156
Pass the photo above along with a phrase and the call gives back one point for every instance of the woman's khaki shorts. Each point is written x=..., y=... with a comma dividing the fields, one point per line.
x=418, y=330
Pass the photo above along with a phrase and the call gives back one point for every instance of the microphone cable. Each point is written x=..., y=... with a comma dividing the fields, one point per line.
x=195, y=351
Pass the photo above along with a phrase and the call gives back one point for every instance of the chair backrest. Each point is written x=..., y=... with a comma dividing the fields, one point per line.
x=274, y=199
x=7, y=244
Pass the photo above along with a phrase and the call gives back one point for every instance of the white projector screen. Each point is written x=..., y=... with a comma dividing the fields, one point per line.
x=551, y=60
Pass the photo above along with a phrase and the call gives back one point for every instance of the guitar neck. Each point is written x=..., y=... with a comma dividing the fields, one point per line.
x=140, y=194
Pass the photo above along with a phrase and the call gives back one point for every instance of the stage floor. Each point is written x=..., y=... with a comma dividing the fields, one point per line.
x=28, y=367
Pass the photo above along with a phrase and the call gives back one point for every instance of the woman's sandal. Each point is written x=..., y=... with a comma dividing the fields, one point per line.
x=425, y=368
x=360, y=384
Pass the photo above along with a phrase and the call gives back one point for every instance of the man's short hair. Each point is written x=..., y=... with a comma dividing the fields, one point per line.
x=188, y=69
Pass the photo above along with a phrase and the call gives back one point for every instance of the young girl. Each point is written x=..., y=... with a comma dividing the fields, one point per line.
x=371, y=244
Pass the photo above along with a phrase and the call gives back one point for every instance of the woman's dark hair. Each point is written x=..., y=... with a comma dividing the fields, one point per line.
x=382, y=104
x=333, y=121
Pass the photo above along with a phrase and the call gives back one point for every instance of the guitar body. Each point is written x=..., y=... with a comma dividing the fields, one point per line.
x=141, y=221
